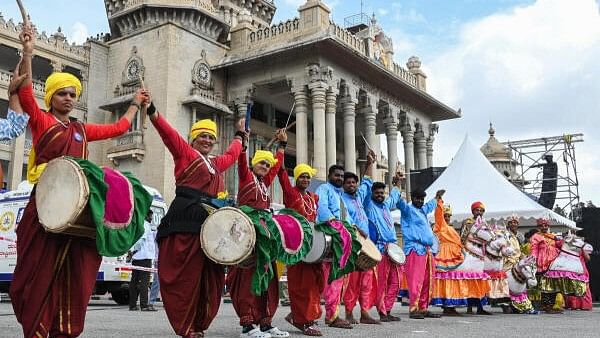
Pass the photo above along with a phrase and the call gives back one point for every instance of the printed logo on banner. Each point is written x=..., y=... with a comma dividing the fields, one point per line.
x=7, y=220
x=20, y=214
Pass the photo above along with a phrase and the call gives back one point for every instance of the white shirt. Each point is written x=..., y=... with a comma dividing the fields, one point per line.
x=145, y=247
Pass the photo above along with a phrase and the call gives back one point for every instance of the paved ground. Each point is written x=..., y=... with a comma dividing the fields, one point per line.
x=105, y=319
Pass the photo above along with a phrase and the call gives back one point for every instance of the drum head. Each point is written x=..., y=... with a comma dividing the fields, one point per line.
x=318, y=248
x=396, y=253
x=61, y=194
x=228, y=236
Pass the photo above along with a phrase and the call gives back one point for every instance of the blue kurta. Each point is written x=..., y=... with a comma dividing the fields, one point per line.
x=330, y=202
x=356, y=202
x=381, y=224
x=416, y=231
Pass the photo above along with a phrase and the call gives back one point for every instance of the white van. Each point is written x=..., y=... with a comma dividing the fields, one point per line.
x=111, y=276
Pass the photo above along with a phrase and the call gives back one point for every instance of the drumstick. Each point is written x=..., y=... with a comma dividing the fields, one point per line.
x=275, y=138
x=144, y=110
x=23, y=13
x=290, y=115
x=367, y=143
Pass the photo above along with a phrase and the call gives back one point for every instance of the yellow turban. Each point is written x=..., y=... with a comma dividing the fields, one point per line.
x=57, y=81
x=304, y=168
x=203, y=126
x=447, y=209
x=263, y=155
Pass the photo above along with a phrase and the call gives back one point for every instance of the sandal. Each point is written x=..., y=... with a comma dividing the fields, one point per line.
x=311, y=329
x=340, y=324
x=290, y=320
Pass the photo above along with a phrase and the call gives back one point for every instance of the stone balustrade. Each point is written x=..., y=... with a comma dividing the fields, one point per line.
x=6, y=76
x=56, y=42
x=404, y=74
x=348, y=38
x=281, y=31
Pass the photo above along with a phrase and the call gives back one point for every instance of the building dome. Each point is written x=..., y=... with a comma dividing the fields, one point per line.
x=495, y=150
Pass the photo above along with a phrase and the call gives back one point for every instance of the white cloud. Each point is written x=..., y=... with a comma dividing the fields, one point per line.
x=382, y=11
x=533, y=71
x=79, y=33
x=403, y=15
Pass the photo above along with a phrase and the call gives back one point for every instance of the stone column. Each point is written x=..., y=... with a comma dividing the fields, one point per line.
x=433, y=128
x=420, y=150
x=317, y=91
x=349, y=110
x=301, y=125
x=330, y=108
x=391, y=134
x=409, y=163
x=370, y=127
x=429, y=147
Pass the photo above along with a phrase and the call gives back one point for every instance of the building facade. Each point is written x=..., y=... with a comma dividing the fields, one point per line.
x=208, y=59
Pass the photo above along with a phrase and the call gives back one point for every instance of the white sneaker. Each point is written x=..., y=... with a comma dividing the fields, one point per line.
x=256, y=333
x=277, y=333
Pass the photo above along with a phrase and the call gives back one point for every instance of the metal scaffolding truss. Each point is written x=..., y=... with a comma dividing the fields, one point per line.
x=531, y=156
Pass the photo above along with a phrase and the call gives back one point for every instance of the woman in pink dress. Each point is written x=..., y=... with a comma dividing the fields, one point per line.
x=585, y=302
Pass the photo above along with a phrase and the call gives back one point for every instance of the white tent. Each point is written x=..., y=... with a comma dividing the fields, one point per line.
x=471, y=177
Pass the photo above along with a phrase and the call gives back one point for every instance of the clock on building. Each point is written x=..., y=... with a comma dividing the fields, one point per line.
x=133, y=69
x=202, y=74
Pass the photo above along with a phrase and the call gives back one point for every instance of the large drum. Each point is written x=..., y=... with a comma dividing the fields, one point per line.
x=320, y=249
x=61, y=198
x=228, y=236
x=368, y=256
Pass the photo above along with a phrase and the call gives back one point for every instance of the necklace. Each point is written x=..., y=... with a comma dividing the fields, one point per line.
x=61, y=122
x=211, y=169
x=262, y=188
x=309, y=204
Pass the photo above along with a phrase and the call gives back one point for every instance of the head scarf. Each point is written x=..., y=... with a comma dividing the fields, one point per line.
x=203, y=126
x=304, y=168
x=542, y=221
x=447, y=209
x=513, y=218
x=477, y=205
x=263, y=155
x=58, y=81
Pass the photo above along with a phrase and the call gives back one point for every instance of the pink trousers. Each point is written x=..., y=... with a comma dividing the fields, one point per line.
x=332, y=293
x=361, y=287
x=389, y=277
x=419, y=274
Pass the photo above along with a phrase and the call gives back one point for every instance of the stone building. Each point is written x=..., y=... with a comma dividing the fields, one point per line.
x=500, y=156
x=207, y=59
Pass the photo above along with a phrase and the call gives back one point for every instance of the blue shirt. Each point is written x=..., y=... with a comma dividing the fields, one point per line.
x=14, y=125
x=145, y=247
x=416, y=231
x=330, y=203
x=381, y=223
x=355, y=204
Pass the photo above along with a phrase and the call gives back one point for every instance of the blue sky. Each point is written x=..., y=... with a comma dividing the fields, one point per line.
x=530, y=67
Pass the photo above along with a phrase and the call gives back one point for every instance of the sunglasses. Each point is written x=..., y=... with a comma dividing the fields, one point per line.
x=266, y=164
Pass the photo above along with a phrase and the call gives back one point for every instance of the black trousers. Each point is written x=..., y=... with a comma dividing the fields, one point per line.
x=140, y=280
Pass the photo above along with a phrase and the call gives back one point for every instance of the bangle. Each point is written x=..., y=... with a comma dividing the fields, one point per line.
x=282, y=144
x=240, y=134
x=27, y=54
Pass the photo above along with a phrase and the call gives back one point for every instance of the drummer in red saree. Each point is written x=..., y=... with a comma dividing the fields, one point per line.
x=256, y=312
x=305, y=281
x=55, y=273
x=191, y=284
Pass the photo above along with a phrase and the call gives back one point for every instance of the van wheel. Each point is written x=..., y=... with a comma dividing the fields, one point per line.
x=120, y=296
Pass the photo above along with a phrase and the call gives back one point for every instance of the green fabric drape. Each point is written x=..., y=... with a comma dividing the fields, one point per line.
x=113, y=242
x=336, y=248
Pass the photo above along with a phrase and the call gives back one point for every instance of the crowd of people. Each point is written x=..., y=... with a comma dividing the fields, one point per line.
x=433, y=263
